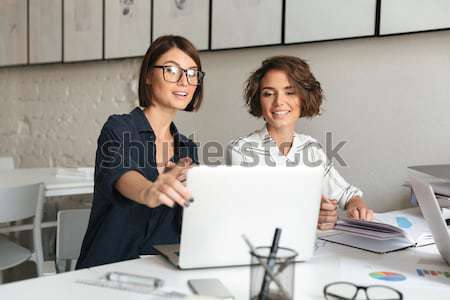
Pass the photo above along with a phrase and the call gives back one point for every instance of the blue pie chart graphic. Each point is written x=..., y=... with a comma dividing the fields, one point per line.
x=388, y=276
x=403, y=222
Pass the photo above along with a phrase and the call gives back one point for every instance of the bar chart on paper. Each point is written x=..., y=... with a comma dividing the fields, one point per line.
x=432, y=273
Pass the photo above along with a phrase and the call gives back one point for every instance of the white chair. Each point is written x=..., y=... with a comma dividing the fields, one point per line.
x=6, y=163
x=18, y=203
x=71, y=228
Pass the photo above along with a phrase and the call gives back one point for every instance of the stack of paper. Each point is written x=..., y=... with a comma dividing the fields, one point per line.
x=389, y=232
x=87, y=173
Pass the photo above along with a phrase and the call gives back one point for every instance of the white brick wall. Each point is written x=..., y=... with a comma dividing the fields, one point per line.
x=50, y=115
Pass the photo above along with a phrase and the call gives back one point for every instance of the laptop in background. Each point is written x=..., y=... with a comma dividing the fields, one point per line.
x=431, y=211
x=439, y=171
x=232, y=200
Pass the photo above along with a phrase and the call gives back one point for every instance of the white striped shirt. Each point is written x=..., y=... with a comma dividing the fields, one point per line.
x=258, y=148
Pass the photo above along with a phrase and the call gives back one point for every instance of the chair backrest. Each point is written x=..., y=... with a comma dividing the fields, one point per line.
x=6, y=163
x=72, y=225
x=21, y=202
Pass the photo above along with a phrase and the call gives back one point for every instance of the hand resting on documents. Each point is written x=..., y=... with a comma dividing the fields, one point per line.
x=356, y=209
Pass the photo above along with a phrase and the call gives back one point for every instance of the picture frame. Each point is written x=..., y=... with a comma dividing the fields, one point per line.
x=255, y=23
x=83, y=30
x=13, y=32
x=318, y=20
x=403, y=16
x=45, y=38
x=127, y=28
x=188, y=18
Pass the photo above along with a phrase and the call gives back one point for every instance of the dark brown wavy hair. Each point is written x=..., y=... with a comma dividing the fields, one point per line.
x=160, y=46
x=300, y=77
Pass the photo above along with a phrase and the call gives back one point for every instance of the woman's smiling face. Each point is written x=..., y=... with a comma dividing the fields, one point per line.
x=280, y=101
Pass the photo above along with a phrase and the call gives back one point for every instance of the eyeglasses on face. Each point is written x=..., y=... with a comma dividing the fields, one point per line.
x=174, y=73
x=343, y=290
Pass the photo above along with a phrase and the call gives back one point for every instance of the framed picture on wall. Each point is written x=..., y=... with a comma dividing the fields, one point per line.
x=400, y=16
x=245, y=23
x=188, y=18
x=45, y=31
x=83, y=30
x=316, y=20
x=127, y=27
x=13, y=32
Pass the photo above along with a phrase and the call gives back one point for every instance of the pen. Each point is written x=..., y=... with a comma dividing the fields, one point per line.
x=125, y=278
x=270, y=263
x=264, y=265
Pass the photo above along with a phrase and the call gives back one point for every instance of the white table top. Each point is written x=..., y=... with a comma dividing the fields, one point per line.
x=54, y=186
x=331, y=263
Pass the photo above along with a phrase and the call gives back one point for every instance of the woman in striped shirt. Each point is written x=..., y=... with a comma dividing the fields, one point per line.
x=282, y=91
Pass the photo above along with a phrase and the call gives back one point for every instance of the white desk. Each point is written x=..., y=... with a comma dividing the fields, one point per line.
x=327, y=266
x=54, y=186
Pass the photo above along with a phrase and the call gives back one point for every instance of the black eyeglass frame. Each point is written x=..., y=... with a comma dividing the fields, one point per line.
x=358, y=287
x=200, y=74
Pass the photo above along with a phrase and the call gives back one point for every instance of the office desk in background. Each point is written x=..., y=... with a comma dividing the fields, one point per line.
x=55, y=186
x=331, y=263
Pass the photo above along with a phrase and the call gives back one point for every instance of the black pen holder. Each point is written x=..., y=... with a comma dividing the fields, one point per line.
x=272, y=277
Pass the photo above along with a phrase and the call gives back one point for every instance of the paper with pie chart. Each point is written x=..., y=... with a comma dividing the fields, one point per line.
x=394, y=271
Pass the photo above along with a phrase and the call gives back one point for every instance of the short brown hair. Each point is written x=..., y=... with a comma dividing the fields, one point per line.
x=160, y=46
x=300, y=77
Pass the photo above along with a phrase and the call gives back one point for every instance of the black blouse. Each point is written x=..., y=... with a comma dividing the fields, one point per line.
x=119, y=228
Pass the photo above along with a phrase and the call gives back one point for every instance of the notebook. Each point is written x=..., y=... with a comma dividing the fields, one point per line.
x=388, y=232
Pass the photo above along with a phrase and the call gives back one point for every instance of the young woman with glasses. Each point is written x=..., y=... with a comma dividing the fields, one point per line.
x=142, y=159
x=282, y=91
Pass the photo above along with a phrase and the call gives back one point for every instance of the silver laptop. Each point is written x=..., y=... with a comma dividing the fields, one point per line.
x=432, y=213
x=231, y=200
